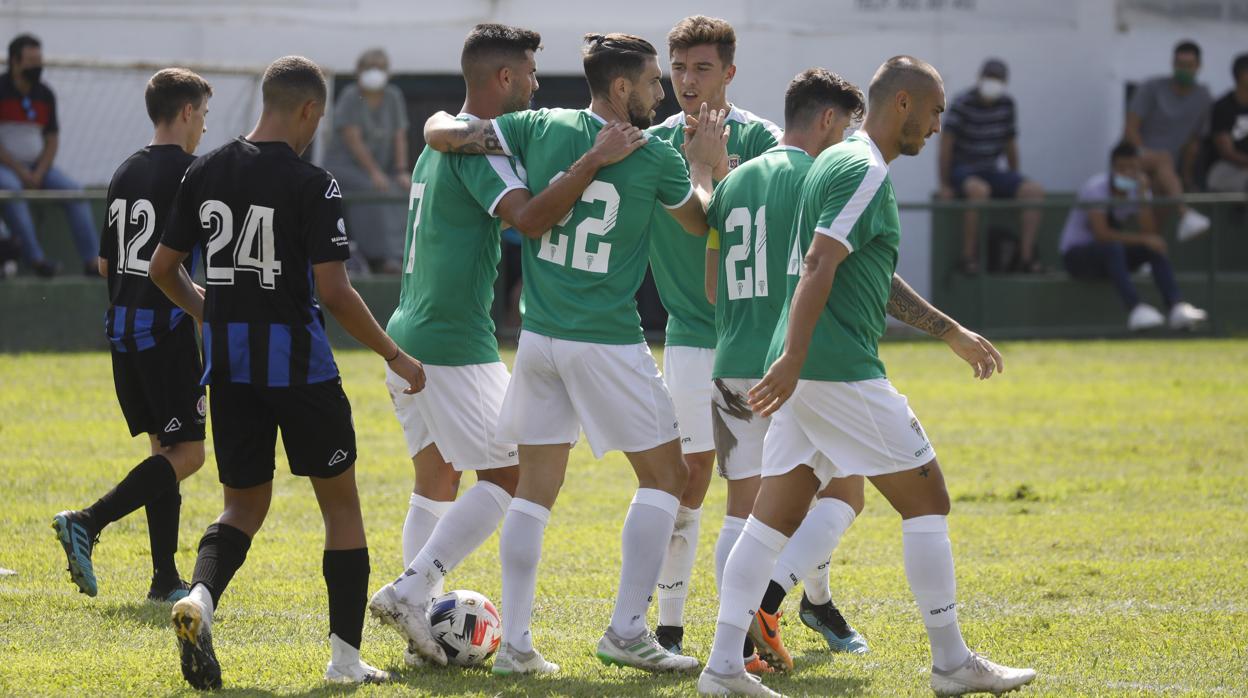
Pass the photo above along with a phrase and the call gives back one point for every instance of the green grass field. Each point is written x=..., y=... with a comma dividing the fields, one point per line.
x=1100, y=528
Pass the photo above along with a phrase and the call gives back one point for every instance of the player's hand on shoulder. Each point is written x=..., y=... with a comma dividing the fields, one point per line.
x=976, y=351
x=616, y=141
x=777, y=386
x=410, y=370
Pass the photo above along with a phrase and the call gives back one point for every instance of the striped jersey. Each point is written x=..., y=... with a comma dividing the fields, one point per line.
x=981, y=129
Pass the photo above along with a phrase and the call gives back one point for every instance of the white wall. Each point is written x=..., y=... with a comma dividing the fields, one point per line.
x=1068, y=58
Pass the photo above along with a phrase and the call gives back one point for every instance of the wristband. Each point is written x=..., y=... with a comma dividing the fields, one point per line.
x=397, y=351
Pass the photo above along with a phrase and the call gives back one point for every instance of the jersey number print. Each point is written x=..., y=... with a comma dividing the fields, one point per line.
x=415, y=198
x=142, y=214
x=555, y=242
x=752, y=282
x=254, y=251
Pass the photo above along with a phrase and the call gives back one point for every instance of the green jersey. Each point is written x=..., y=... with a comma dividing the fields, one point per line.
x=751, y=219
x=849, y=197
x=451, y=258
x=678, y=259
x=581, y=277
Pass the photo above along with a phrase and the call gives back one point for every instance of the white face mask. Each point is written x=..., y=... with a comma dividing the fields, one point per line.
x=373, y=79
x=991, y=88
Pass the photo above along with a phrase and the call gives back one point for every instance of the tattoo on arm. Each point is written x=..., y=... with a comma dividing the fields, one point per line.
x=479, y=138
x=909, y=307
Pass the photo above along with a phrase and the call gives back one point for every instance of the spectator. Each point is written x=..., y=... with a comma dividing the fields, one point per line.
x=980, y=127
x=28, y=141
x=1113, y=241
x=369, y=154
x=1165, y=119
x=1228, y=133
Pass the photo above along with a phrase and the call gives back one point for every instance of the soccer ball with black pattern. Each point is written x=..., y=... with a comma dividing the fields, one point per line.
x=467, y=626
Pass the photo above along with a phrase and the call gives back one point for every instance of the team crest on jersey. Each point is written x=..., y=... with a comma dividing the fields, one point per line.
x=333, y=192
x=733, y=161
x=201, y=406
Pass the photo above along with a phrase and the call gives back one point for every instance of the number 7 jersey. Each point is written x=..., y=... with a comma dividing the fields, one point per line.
x=264, y=217
x=581, y=277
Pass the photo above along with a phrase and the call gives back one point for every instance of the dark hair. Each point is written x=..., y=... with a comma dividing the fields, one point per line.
x=290, y=81
x=489, y=45
x=816, y=89
x=20, y=43
x=900, y=73
x=610, y=56
x=1124, y=149
x=1239, y=66
x=171, y=89
x=699, y=30
x=1188, y=46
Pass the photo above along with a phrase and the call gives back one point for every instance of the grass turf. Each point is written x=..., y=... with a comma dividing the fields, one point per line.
x=1100, y=529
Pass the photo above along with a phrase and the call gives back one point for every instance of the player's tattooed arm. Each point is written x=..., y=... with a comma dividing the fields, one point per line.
x=447, y=134
x=911, y=308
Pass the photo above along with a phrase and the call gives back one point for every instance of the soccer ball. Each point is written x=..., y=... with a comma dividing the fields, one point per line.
x=467, y=626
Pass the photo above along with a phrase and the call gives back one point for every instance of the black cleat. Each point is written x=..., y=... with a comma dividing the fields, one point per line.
x=170, y=591
x=827, y=620
x=670, y=637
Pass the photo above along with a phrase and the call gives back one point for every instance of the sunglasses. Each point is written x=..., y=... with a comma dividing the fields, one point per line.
x=31, y=114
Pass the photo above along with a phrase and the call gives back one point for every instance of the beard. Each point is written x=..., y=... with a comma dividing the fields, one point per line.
x=912, y=139
x=518, y=101
x=639, y=115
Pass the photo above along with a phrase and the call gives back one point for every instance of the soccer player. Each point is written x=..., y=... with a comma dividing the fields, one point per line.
x=701, y=50
x=751, y=221
x=155, y=354
x=582, y=361
x=835, y=413
x=272, y=227
x=443, y=319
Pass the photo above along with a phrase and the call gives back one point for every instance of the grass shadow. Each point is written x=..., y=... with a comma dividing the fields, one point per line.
x=149, y=613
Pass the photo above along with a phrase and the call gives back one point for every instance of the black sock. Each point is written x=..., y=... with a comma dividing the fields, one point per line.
x=346, y=581
x=222, y=551
x=147, y=481
x=773, y=598
x=748, y=650
x=163, y=514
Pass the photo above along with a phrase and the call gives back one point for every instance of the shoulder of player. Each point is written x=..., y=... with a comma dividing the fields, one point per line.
x=855, y=158
x=754, y=122
x=669, y=127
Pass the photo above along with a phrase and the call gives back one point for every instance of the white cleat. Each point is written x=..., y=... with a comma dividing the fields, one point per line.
x=512, y=662
x=642, y=652
x=410, y=619
x=978, y=675
x=1192, y=224
x=412, y=658
x=1145, y=317
x=1185, y=316
x=713, y=683
x=359, y=672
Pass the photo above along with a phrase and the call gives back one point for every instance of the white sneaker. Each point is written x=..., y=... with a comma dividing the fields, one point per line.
x=642, y=652
x=1192, y=224
x=712, y=683
x=978, y=675
x=410, y=619
x=1145, y=317
x=1185, y=316
x=510, y=662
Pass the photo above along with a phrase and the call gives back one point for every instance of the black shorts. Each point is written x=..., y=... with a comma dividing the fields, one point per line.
x=315, y=422
x=158, y=388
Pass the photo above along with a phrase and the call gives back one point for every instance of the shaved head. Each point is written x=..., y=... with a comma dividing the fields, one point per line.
x=902, y=74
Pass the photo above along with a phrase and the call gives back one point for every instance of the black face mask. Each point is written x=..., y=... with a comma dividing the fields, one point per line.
x=33, y=73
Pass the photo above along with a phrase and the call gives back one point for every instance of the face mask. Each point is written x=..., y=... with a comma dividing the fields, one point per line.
x=373, y=79
x=991, y=88
x=1186, y=78
x=33, y=73
x=1124, y=183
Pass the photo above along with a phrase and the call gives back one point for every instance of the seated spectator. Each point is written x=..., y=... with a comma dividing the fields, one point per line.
x=1113, y=241
x=1228, y=133
x=28, y=143
x=980, y=127
x=369, y=153
x=1165, y=119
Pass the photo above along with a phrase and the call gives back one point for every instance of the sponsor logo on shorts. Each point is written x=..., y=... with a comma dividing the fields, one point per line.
x=923, y=450
x=338, y=457
x=686, y=439
x=201, y=406
x=333, y=192
x=173, y=425
x=512, y=454
x=914, y=424
x=946, y=609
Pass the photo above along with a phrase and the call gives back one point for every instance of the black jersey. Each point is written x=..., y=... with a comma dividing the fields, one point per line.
x=265, y=217
x=139, y=198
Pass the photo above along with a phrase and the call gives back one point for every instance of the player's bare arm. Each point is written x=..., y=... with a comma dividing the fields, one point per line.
x=534, y=215
x=344, y=303
x=447, y=134
x=905, y=304
x=167, y=272
x=810, y=297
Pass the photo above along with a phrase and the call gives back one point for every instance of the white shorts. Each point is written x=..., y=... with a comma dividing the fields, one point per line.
x=458, y=411
x=613, y=391
x=739, y=432
x=687, y=373
x=842, y=429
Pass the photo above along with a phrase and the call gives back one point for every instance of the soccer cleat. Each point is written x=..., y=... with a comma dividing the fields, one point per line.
x=670, y=637
x=410, y=619
x=641, y=652
x=978, y=675
x=1192, y=224
x=162, y=592
x=199, y=662
x=1145, y=317
x=78, y=539
x=512, y=662
x=1185, y=316
x=827, y=620
x=712, y=683
x=757, y=666
x=412, y=658
x=765, y=632
x=356, y=672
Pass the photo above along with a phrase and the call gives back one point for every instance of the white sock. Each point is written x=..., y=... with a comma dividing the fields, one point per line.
x=651, y=518
x=728, y=535
x=341, y=653
x=200, y=593
x=520, y=548
x=465, y=526
x=811, y=546
x=745, y=580
x=422, y=516
x=677, y=570
x=929, y=569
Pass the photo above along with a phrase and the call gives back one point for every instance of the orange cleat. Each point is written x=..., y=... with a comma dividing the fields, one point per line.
x=765, y=632
x=758, y=666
